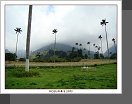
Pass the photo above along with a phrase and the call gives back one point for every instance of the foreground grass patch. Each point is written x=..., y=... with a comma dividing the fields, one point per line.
x=97, y=77
x=23, y=73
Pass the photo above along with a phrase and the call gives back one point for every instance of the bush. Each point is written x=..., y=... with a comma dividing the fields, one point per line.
x=22, y=59
x=76, y=59
x=10, y=56
x=95, y=65
x=113, y=56
x=21, y=73
x=56, y=58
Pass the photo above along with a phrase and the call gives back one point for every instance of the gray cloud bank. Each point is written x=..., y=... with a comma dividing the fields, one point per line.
x=75, y=23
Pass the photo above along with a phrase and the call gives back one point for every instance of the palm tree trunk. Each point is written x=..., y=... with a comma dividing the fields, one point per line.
x=28, y=38
x=94, y=50
x=107, y=41
x=16, y=46
x=89, y=51
x=77, y=50
x=101, y=47
x=54, y=47
x=115, y=48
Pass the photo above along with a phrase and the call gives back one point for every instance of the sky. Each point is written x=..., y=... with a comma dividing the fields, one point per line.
x=75, y=24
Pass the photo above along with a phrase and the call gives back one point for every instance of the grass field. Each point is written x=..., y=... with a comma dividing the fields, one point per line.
x=62, y=77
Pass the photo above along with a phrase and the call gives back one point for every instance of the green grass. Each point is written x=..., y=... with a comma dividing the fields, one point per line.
x=95, y=77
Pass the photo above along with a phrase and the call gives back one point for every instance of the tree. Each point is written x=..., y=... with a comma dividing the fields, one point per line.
x=28, y=38
x=10, y=56
x=18, y=31
x=114, y=44
x=77, y=48
x=80, y=51
x=54, y=32
x=110, y=53
x=84, y=52
x=113, y=56
x=99, y=50
x=100, y=37
x=104, y=23
x=73, y=48
x=94, y=48
x=38, y=55
x=76, y=45
x=89, y=49
x=80, y=45
x=96, y=55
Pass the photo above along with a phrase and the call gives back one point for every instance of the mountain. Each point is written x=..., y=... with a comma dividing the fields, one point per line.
x=7, y=51
x=20, y=53
x=111, y=49
x=59, y=47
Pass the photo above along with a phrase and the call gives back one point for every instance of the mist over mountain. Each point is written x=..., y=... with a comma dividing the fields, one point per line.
x=60, y=47
x=67, y=48
x=20, y=53
x=7, y=51
x=111, y=49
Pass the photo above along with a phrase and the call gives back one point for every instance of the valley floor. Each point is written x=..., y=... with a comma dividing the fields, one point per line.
x=85, y=62
x=92, y=77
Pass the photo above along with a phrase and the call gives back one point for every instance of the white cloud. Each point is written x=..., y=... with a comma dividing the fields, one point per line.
x=74, y=23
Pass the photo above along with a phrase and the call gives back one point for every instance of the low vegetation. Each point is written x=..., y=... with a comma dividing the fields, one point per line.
x=90, y=77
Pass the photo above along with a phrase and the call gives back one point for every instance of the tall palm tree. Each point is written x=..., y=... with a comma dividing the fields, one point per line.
x=84, y=52
x=89, y=49
x=80, y=53
x=94, y=48
x=99, y=50
x=114, y=44
x=80, y=45
x=100, y=37
x=110, y=53
x=28, y=38
x=54, y=32
x=77, y=48
x=76, y=45
x=18, y=31
x=104, y=23
x=73, y=48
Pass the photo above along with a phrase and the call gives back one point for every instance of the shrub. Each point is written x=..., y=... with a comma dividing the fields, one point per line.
x=56, y=58
x=22, y=59
x=95, y=65
x=21, y=73
x=10, y=56
x=76, y=59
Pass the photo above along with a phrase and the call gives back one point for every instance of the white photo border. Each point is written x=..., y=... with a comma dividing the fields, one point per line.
x=64, y=91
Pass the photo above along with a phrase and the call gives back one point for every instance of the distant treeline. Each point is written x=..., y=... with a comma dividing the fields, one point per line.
x=70, y=56
x=60, y=56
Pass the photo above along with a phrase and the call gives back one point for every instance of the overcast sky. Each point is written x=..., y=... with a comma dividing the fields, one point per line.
x=75, y=23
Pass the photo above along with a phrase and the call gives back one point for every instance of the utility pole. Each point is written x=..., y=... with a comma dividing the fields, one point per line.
x=28, y=38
